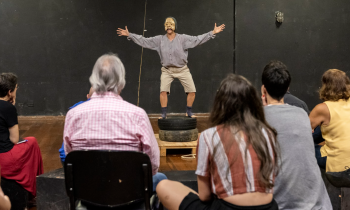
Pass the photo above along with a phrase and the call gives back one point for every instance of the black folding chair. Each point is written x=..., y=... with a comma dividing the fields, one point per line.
x=112, y=179
x=339, y=179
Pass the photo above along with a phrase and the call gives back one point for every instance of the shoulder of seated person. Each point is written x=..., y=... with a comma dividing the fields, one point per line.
x=296, y=107
x=321, y=108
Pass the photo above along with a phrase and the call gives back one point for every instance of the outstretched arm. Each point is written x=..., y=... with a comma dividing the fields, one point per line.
x=123, y=32
x=149, y=43
x=193, y=41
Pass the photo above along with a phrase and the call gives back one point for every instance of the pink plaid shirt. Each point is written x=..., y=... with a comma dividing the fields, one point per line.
x=107, y=122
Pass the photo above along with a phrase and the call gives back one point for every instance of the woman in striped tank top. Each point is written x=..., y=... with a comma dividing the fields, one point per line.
x=236, y=157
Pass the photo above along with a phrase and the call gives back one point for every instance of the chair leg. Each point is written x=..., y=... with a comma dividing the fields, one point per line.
x=161, y=207
x=72, y=203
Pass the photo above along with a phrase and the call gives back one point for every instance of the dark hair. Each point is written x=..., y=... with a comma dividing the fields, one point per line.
x=276, y=79
x=174, y=21
x=8, y=82
x=335, y=85
x=237, y=106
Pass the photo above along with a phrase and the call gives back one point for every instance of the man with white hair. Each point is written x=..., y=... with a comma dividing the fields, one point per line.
x=107, y=122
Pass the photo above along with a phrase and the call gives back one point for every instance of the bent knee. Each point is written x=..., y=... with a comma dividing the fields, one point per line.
x=163, y=185
x=161, y=176
x=32, y=140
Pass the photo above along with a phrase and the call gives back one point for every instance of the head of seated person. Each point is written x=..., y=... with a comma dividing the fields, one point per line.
x=335, y=86
x=275, y=82
x=8, y=87
x=108, y=75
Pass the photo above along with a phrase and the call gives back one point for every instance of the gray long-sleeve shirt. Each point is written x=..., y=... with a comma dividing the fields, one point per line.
x=172, y=53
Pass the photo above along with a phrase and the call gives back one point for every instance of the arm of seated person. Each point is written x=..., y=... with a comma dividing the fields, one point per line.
x=14, y=134
x=204, y=188
x=319, y=115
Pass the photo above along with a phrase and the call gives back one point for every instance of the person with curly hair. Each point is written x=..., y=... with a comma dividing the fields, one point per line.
x=333, y=116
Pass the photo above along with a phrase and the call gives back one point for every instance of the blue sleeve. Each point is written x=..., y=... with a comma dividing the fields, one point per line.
x=62, y=153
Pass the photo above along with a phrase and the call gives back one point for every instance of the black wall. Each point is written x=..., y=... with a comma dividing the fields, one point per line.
x=52, y=46
x=314, y=37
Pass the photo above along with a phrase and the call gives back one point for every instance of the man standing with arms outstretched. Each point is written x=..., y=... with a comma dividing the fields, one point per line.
x=173, y=51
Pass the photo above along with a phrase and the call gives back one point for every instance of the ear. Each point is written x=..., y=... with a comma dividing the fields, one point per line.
x=87, y=96
x=9, y=93
x=263, y=90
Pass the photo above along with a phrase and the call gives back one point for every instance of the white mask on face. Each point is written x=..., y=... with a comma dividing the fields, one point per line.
x=169, y=24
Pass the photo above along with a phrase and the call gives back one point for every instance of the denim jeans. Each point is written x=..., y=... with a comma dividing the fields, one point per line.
x=157, y=178
x=317, y=135
x=321, y=161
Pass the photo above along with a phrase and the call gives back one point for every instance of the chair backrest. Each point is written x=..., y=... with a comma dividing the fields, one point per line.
x=108, y=178
x=339, y=179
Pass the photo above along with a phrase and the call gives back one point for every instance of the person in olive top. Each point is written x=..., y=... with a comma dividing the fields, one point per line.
x=19, y=161
x=173, y=51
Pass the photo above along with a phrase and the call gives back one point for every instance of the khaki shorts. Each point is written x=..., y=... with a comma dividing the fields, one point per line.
x=183, y=74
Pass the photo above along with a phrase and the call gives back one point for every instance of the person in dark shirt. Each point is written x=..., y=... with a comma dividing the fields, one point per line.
x=294, y=101
x=19, y=161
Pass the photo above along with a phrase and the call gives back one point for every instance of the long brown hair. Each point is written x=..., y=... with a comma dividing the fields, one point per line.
x=238, y=107
x=335, y=85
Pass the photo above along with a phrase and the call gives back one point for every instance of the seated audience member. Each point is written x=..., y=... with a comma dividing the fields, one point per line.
x=61, y=150
x=236, y=157
x=5, y=203
x=88, y=96
x=107, y=122
x=299, y=184
x=294, y=101
x=19, y=161
x=333, y=116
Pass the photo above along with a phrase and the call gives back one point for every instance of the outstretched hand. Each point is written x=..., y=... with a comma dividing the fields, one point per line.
x=123, y=32
x=218, y=29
